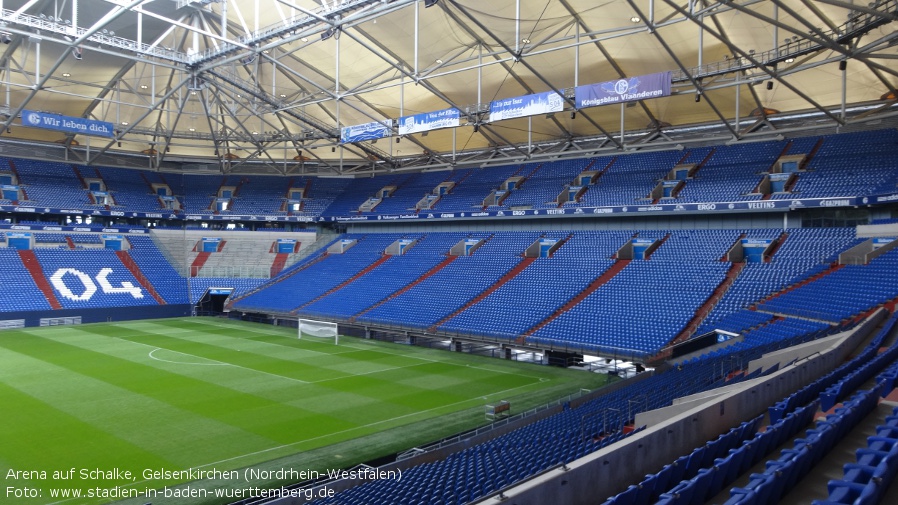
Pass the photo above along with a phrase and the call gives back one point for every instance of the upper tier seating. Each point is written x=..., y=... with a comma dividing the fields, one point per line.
x=852, y=164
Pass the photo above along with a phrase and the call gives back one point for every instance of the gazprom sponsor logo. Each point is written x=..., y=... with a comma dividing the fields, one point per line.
x=52, y=228
x=25, y=209
x=602, y=210
x=835, y=203
x=445, y=215
x=19, y=227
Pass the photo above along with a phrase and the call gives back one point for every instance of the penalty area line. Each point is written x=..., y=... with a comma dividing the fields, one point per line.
x=217, y=363
x=222, y=362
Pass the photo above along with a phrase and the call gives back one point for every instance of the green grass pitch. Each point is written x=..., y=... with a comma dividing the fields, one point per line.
x=91, y=409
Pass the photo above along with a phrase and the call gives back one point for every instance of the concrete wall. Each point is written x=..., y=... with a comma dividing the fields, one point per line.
x=877, y=230
x=32, y=318
x=594, y=478
x=843, y=343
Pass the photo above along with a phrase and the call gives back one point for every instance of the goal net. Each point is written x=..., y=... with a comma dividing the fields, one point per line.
x=318, y=329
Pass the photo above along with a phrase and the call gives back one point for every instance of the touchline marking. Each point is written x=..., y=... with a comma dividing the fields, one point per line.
x=217, y=363
x=284, y=446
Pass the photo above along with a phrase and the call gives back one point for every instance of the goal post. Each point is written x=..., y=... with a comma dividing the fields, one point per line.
x=317, y=329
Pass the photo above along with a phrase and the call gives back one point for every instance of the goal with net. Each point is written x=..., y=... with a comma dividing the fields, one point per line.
x=318, y=329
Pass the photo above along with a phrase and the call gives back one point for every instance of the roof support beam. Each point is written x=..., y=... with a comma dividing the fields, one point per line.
x=533, y=71
x=756, y=63
x=679, y=63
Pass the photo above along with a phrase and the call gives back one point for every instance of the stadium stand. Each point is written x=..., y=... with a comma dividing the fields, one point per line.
x=20, y=292
x=592, y=291
x=725, y=173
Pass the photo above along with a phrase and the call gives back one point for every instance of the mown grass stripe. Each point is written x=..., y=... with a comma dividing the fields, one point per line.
x=377, y=398
x=216, y=402
x=38, y=436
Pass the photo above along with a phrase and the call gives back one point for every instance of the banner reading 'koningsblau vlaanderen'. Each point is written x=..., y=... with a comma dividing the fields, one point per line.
x=446, y=118
x=368, y=131
x=527, y=105
x=623, y=90
x=67, y=124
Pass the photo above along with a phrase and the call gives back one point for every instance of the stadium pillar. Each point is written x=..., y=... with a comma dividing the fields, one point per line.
x=508, y=353
x=456, y=345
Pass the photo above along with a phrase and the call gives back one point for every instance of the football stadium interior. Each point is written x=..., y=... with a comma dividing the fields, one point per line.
x=448, y=252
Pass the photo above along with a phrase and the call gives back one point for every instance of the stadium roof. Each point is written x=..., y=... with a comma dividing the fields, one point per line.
x=269, y=83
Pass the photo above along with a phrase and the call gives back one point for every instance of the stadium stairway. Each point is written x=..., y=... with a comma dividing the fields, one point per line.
x=29, y=260
x=380, y=261
x=706, y=308
x=784, y=152
x=280, y=259
x=597, y=177
x=606, y=276
x=132, y=267
x=776, y=245
x=409, y=286
x=15, y=172
x=201, y=258
x=79, y=176
x=198, y=262
x=511, y=274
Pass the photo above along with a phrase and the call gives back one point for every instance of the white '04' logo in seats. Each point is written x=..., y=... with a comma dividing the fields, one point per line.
x=58, y=281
